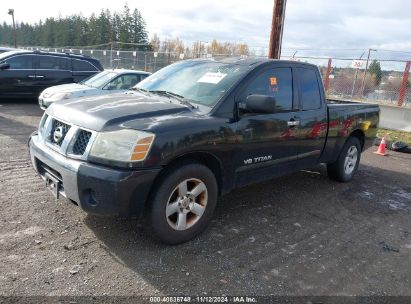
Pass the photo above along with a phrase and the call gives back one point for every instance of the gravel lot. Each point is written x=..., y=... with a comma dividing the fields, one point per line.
x=302, y=234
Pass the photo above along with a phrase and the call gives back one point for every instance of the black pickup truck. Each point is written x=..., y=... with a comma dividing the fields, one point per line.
x=193, y=131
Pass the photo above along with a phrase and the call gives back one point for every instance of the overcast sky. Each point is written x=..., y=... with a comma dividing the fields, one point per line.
x=313, y=24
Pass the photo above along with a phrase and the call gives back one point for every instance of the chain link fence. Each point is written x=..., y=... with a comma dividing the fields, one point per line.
x=137, y=60
x=391, y=85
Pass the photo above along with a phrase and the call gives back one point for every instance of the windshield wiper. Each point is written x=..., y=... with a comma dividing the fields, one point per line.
x=138, y=89
x=180, y=98
x=168, y=93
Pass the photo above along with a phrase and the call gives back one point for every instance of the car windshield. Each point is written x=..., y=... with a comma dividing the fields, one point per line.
x=202, y=82
x=100, y=79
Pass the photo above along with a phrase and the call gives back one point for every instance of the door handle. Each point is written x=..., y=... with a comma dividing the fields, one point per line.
x=40, y=76
x=31, y=76
x=293, y=123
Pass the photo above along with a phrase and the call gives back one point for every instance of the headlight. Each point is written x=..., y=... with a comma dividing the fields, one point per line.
x=59, y=96
x=126, y=146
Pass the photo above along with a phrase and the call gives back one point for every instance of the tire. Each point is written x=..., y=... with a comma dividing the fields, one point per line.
x=347, y=163
x=183, y=204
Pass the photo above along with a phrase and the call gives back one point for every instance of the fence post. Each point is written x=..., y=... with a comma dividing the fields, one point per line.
x=111, y=55
x=327, y=76
x=404, y=83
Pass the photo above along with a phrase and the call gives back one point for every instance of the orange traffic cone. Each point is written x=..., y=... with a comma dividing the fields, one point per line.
x=381, y=148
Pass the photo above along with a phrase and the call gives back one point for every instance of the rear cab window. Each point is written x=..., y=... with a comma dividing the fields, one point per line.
x=310, y=89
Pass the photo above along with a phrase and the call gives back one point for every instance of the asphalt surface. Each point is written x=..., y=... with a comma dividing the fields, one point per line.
x=301, y=234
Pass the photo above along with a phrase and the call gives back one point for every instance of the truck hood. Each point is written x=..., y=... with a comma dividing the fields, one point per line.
x=109, y=112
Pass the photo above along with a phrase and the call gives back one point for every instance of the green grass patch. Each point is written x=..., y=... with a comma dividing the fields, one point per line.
x=392, y=135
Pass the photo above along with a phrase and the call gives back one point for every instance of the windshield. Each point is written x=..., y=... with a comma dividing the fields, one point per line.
x=201, y=82
x=100, y=79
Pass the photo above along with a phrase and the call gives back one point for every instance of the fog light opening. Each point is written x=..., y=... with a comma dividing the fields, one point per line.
x=91, y=197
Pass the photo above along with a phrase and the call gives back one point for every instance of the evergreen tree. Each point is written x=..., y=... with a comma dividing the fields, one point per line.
x=125, y=27
x=139, y=28
x=76, y=30
x=375, y=70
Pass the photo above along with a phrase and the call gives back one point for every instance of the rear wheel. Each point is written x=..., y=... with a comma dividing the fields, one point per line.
x=347, y=163
x=183, y=203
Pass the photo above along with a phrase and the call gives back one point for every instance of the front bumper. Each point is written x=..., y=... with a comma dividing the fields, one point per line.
x=96, y=189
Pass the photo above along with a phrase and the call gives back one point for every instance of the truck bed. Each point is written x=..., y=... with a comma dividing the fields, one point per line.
x=345, y=116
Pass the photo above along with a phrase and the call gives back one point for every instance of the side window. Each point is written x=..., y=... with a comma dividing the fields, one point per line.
x=53, y=63
x=82, y=66
x=22, y=62
x=124, y=82
x=310, y=91
x=277, y=83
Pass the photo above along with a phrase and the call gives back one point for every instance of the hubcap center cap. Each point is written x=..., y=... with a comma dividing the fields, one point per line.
x=185, y=202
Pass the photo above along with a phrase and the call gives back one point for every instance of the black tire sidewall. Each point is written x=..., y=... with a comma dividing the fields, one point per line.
x=159, y=201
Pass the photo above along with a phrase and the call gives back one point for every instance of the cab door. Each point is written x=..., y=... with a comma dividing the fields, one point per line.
x=50, y=71
x=267, y=145
x=17, y=80
x=312, y=116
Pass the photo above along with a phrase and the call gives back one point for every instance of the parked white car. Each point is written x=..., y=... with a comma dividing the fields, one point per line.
x=106, y=82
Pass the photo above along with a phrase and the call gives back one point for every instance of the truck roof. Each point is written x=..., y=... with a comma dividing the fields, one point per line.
x=251, y=61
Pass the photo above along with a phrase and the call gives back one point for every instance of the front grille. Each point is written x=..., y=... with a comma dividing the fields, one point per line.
x=58, y=132
x=81, y=143
x=75, y=139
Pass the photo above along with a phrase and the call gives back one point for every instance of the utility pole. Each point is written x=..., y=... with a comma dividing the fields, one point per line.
x=11, y=12
x=355, y=78
x=365, y=72
x=277, y=27
x=403, y=89
x=327, y=76
x=199, y=47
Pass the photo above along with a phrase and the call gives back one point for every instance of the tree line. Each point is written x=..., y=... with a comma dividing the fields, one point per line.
x=197, y=48
x=99, y=31
x=76, y=30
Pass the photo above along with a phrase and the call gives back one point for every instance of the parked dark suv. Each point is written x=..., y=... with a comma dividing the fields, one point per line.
x=25, y=74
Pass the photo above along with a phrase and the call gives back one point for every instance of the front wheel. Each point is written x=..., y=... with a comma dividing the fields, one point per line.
x=347, y=163
x=183, y=203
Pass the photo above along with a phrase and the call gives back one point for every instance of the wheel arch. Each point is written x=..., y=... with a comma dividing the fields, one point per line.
x=359, y=134
x=207, y=159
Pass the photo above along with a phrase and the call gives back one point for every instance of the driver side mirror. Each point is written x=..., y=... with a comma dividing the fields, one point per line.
x=261, y=104
x=4, y=65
